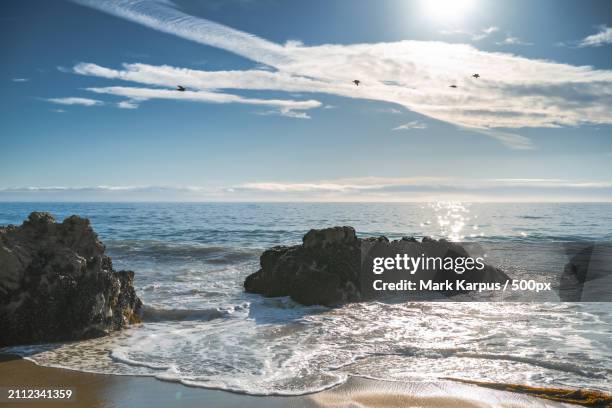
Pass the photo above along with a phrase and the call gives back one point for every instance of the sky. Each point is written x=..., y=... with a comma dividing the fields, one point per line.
x=271, y=111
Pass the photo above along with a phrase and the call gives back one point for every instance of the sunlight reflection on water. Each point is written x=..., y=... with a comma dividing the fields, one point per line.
x=452, y=218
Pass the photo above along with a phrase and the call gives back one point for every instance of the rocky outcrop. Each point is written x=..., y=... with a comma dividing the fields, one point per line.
x=333, y=266
x=57, y=284
x=325, y=269
x=587, y=277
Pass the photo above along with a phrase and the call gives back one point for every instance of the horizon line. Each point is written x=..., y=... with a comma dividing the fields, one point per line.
x=305, y=202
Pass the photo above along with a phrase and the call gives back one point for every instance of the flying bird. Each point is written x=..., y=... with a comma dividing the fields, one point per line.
x=357, y=82
x=476, y=75
x=180, y=88
x=452, y=86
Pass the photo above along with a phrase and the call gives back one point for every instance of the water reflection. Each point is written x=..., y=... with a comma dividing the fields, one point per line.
x=453, y=217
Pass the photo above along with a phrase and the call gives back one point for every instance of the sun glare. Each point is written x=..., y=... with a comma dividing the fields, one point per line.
x=447, y=10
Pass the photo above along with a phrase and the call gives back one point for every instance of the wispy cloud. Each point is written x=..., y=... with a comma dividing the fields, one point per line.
x=391, y=110
x=284, y=112
x=75, y=101
x=162, y=15
x=427, y=189
x=386, y=183
x=484, y=33
x=511, y=140
x=602, y=37
x=511, y=40
x=513, y=92
x=20, y=79
x=474, y=36
x=348, y=189
x=143, y=94
x=129, y=104
x=415, y=124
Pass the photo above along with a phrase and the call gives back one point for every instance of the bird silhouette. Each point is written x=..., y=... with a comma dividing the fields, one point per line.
x=476, y=75
x=357, y=82
x=452, y=86
x=180, y=88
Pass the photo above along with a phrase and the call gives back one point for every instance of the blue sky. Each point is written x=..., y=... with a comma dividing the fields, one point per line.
x=271, y=113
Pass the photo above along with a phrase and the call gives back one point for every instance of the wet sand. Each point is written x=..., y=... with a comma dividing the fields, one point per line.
x=98, y=390
x=102, y=391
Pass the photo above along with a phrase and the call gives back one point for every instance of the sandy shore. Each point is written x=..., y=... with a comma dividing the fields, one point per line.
x=97, y=390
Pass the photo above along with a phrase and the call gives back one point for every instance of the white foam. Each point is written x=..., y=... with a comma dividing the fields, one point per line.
x=275, y=347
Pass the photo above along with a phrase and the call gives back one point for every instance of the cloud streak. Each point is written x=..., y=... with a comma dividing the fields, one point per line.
x=415, y=124
x=603, y=37
x=421, y=184
x=75, y=101
x=485, y=32
x=382, y=189
x=513, y=92
x=511, y=140
x=474, y=36
x=511, y=40
x=128, y=104
x=162, y=15
x=143, y=94
x=285, y=112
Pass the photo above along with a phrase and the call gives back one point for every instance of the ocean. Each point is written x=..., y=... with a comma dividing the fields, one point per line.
x=201, y=329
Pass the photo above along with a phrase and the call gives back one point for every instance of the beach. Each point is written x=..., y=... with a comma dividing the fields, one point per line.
x=306, y=204
x=99, y=390
x=205, y=340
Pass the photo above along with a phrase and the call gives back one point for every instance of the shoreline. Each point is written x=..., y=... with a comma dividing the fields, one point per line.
x=106, y=390
x=92, y=390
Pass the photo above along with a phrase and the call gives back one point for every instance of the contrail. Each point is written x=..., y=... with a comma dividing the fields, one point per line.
x=163, y=15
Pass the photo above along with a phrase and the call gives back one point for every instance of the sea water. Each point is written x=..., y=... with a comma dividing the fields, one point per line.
x=201, y=329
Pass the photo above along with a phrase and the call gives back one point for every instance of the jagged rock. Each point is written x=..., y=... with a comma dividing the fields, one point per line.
x=56, y=283
x=324, y=270
x=327, y=268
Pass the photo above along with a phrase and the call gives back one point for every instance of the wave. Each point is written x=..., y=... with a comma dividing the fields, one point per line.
x=171, y=290
x=434, y=353
x=328, y=377
x=121, y=357
x=170, y=373
x=248, y=389
x=158, y=249
x=153, y=314
x=590, y=372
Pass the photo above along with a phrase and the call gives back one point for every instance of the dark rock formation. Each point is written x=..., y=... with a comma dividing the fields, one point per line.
x=333, y=266
x=56, y=283
x=587, y=276
x=325, y=269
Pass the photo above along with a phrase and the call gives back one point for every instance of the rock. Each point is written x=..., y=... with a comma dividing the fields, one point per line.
x=437, y=254
x=56, y=283
x=588, y=274
x=329, y=236
x=327, y=268
x=323, y=270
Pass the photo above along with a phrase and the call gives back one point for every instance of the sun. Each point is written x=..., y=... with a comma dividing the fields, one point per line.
x=447, y=10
